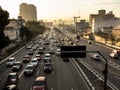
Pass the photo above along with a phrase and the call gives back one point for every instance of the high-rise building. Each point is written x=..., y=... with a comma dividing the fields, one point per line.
x=28, y=12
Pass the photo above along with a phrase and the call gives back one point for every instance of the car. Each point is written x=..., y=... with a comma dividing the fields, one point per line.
x=11, y=87
x=40, y=83
x=40, y=50
x=29, y=47
x=51, y=51
x=29, y=70
x=34, y=47
x=47, y=57
x=38, y=57
x=12, y=78
x=30, y=52
x=89, y=42
x=26, y=58
x=58, y=52
x=34, y=62
x=10, y=61
x=17, y=66
x=47, y=67
x=66, y=59
x=96, y=57
x=115, y=54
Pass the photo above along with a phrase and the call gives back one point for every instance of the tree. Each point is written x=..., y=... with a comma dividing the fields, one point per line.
x=4, y=15
x=35, y=27
x=25, y=33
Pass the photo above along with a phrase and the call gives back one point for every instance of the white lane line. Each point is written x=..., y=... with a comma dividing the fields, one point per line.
x=72, y=89
x=52, y=72
x=21, y=74
x=37, y=73
x=117, y=77
x=51, y=89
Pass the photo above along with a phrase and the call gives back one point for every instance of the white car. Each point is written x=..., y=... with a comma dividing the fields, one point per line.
x=34, y=62
x=115, y=54
x=10, y=61
x=58, y=52
x=96, y=57
x=47, y=57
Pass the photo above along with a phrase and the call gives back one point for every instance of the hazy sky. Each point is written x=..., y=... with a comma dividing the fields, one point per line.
x=56, y=9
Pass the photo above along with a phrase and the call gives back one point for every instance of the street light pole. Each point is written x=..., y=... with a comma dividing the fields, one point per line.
x=75, y=21
x=105, y=71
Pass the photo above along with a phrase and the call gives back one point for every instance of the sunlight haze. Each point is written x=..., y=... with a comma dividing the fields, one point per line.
x=65, y=9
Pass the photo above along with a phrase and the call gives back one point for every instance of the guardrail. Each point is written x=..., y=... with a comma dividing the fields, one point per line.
x=2, y=61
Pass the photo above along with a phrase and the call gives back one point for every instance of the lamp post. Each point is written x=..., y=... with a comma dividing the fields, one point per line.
x=75, y=21
x=105, y=71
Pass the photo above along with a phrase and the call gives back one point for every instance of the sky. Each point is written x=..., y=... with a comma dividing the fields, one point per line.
x=63, y=9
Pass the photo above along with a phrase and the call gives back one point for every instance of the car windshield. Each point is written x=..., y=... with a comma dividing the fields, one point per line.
x=11, y=76
x=34, y=61
x=39, y=83
x=29, y=67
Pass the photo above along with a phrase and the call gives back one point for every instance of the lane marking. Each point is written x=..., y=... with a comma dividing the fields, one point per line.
x=51, y=89
x=37, y=73
x=117, y=77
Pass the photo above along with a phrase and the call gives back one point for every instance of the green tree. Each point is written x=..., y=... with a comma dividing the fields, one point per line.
x=35, y=27
x=25, y=33
x=4, y=15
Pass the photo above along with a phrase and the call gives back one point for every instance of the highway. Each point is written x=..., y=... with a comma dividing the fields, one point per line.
x=67, y=75
x=98, y=66
x=64, y=76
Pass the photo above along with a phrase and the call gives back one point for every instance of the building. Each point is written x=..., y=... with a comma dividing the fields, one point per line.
x=116, y=33
x=82, y=26
x=103, y=21
x=12, y=29
x=28, y=12
x=101, y=14
x=104, y=24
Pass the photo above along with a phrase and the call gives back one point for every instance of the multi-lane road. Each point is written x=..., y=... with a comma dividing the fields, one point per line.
x=66, y=75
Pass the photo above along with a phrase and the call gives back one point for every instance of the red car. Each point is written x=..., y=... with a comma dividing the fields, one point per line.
x=12, y=79
x=39, y=83
x=26, y=58
x=38, y=57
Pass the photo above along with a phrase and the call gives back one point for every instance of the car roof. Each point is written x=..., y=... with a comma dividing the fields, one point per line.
x=10, y=87
x=29, y=65
x=47, y=54
x=12, y=73
x=40, y=78
x=37, y=55
x=12, y=58
x=34, y=59
x=18, y=62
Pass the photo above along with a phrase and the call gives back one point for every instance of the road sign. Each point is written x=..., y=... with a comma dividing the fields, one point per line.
x=73, y=51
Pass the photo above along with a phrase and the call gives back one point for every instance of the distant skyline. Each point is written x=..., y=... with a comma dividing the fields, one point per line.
x=63, y=9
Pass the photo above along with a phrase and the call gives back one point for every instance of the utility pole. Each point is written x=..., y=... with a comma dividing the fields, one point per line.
x=75, y=22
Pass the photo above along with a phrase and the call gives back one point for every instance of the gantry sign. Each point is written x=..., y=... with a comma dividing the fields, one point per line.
x=73, y=51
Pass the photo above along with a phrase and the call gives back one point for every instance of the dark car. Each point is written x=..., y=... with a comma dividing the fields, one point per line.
x=12, y=78
x=47, y=67
x=17, y=66
x=30, y=52
x=66, y=59
x=26, y=58
x=40, y=83
x=29, y=70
